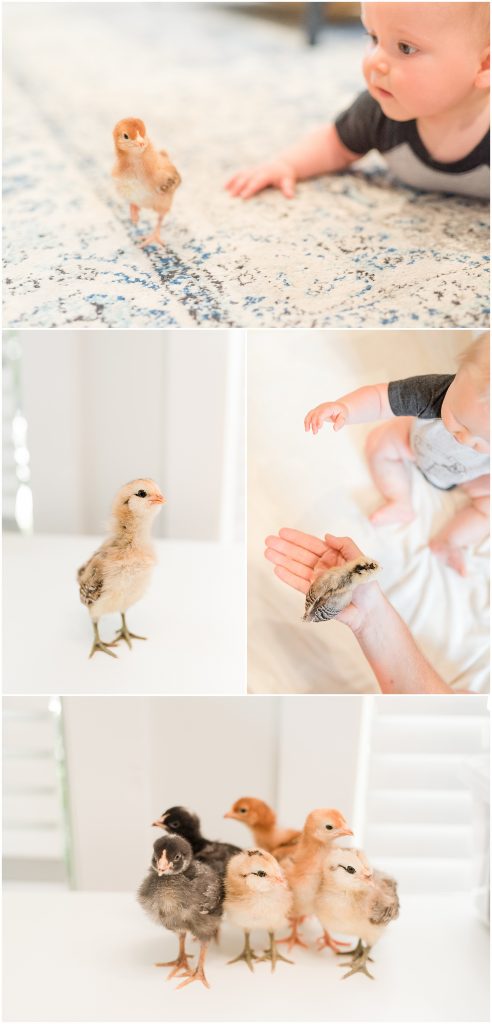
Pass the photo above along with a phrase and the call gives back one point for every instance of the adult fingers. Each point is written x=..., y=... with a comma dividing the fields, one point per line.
x=307, y=541
x=291, y=551
x=293, y=581
x=345, y=546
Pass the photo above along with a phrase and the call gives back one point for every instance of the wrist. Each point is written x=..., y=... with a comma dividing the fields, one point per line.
x=372, y=607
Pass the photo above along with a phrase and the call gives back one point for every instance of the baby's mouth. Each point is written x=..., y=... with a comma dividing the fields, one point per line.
x=383, y=92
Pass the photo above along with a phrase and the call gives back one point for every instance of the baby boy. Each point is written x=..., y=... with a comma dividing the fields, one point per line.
x=426, y=108
x=442, y=426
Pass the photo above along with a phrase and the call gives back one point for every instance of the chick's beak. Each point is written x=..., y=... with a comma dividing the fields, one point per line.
x=344, y=832
x=157, y=499
x=159, y=823
x=230, y=814
x=163, y=865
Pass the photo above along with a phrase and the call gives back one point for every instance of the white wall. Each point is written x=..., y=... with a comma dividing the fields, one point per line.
x=105, y=407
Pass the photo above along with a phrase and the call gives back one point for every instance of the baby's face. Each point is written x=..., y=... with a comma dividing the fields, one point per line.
x=464, y=414
x=423, y=58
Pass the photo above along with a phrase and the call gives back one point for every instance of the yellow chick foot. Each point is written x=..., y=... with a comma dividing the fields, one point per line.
x=359, y=961
x=98, y=644
x=273, y=954
x=248, y=955
x=325, y=940
x=124, y=634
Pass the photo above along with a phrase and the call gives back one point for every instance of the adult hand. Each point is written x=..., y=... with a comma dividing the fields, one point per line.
x=299, y=557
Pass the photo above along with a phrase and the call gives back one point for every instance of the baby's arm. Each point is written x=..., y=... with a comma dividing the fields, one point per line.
x=362, y=406
x=321, y=152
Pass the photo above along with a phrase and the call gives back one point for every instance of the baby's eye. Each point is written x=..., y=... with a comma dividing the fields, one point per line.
x=407, y=49
x=373, y=38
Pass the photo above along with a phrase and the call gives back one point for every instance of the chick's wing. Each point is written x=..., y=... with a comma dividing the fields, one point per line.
x=167, y=176
x=385, y=905
x=91, y=580
x=211, y=890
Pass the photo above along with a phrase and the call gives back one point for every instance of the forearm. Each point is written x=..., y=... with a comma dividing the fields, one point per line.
x=320, y=152
x=390, y=649
x=367, y=404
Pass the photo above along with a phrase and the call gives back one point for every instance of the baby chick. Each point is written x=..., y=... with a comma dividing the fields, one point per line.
x=355, y=900
x=331, y=591
x=304, y=867
x=257, y=896
x=118, y=573
x=184, y=896
x=187, y=825
x=262, y=821
x=144, y=176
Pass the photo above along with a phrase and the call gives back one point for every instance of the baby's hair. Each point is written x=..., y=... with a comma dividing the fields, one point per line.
x=476, y=358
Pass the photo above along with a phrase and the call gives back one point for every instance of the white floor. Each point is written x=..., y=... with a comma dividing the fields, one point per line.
x=193, y=616
x=89, y=957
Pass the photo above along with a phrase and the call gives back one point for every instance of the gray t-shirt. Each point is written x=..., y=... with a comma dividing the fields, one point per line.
x=442, y=460
x=364, y=126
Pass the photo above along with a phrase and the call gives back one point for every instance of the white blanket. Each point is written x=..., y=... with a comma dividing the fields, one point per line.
x=322, y=484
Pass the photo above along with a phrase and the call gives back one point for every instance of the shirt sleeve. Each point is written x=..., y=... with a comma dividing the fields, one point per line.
x=419, y=396
x=361, y=126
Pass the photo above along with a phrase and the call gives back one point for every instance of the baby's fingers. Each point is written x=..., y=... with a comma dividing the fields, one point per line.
x=237, y=182
x=287, y=187
x=339, y=421
x=255, y=183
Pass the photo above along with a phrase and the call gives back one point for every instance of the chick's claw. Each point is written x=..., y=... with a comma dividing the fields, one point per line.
x=125, y=634
x=98, y=644
x=325, y=940
x=273, y=954
x=247, y=954
x=197, y=975
x=180, y=965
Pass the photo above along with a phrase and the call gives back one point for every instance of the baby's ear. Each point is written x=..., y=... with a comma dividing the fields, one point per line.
x=482, y=80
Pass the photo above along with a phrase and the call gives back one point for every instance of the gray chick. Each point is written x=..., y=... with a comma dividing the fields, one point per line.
x=183, y=895
x=332, y=590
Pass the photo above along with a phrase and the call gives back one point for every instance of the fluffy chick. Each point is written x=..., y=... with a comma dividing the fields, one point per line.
x=257, y=896
x=331, y=591
x=118, y=573
x=184, y=896
x=355, y=900
x=262, y=821
x=144, y=176
x=184, y=823
x=304, y=866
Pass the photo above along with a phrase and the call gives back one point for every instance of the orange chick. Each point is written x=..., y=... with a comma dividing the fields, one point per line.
x=304, y=867
x=144, y=176
x=262, y=822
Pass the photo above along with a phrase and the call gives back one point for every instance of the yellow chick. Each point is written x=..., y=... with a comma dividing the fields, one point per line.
x=144, y=176
x=118, y=573
x=262, y=821
x=355, y=900
x=257, y=896
x=304, y=866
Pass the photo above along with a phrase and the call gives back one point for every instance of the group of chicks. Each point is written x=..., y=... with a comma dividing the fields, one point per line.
x=288, y=876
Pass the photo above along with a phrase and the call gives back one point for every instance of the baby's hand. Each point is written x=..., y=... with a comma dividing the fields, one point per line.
x=337, y=412
x=278, y=173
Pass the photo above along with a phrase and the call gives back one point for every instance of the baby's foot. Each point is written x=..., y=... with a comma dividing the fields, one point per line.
x=450, y=555
x=392, y=512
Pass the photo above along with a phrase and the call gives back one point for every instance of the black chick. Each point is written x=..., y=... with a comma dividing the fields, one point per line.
x=183, y=895
x=183, y=823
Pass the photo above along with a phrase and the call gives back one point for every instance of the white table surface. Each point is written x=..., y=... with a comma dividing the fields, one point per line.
x=193, y=615
x=89, y=957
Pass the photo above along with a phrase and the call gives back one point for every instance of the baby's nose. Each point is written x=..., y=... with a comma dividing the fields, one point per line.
x=379, y=61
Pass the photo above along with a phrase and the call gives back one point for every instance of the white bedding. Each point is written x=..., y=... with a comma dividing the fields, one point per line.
x=322, y=484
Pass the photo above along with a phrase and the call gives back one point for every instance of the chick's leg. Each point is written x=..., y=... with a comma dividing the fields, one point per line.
x=98, y=644
x=124, y=634
x=273, y=954
x=134, y=213
x=155, y=237
x=359, y=961
x=247, y=954
x=294, y=939
x=199, y=973
x=326, y=940
x=181, y=962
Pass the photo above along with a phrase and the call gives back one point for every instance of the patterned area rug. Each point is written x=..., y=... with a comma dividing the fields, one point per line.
x=219, y=88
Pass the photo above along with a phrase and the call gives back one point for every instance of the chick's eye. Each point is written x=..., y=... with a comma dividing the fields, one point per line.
x=141, y=494
x=177, y=857
x=125, y=136
x=242, y=810
x=329, y=827
x=173, y=824
x=261, y=874
x=350, y=870
x=407, y=49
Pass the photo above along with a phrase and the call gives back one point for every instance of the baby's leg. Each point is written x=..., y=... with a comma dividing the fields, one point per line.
x=469, y=526
x=388, y=452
